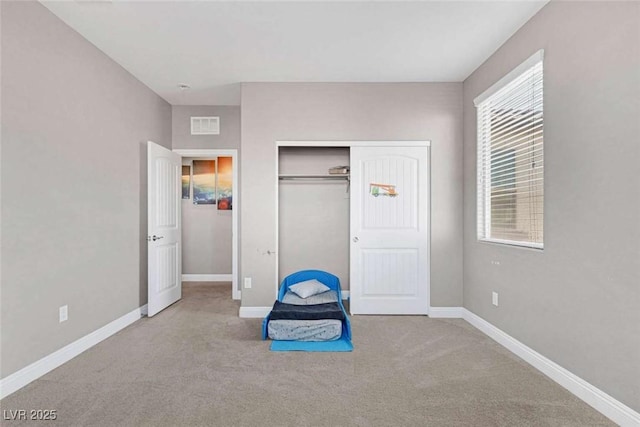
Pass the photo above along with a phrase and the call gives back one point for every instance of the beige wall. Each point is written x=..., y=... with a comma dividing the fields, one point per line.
x=206, y=231
x=74, y=132
x=350, y=111
x=229, y=136
x=578, y=301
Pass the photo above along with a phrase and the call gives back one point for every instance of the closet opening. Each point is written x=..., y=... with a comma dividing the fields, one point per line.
x=313, y=211
x=370, y=226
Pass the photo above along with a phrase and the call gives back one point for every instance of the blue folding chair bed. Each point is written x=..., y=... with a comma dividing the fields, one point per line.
x=308, y=317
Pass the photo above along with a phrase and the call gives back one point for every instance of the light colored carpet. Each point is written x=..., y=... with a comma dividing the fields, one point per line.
x=198, y=364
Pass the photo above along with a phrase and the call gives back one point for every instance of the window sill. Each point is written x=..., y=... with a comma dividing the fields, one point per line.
x=538, y=247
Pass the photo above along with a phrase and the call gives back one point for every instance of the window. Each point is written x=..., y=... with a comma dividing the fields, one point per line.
x=510, y=158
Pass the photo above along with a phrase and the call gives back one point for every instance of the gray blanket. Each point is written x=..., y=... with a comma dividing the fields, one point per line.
x=330, y=310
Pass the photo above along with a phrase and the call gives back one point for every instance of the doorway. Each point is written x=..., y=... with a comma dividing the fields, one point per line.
x=221, y=216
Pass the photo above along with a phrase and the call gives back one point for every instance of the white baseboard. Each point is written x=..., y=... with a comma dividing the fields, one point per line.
x=599, y=400
x=254, y=312
x=24, y=376
x=236, y=295
x=207, y=277
x=445, y=312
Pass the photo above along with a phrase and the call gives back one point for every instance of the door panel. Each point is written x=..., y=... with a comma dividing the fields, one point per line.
x=389, y=273
x=164, y=228
x=166, y=261
x=389, y=230
x=387, y=211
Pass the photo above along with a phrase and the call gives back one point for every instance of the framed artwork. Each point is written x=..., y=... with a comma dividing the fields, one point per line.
x=225, y=183
x=186, y=181
x=204, y=182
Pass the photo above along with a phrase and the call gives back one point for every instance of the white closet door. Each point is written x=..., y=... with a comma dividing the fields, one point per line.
x=389, y=230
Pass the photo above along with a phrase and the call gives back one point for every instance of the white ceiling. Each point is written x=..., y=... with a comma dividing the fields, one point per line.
x=214, y=46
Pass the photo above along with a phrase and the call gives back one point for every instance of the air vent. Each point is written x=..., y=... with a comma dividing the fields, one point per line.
x=205, y=125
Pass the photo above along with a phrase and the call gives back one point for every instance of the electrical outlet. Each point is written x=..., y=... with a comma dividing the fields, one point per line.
x=495, y=262
x=247, y=282
x=64, y=313
x=494, y=298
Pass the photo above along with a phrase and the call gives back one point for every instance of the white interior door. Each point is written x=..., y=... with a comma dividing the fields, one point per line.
x=389, y=272
x=164, y=227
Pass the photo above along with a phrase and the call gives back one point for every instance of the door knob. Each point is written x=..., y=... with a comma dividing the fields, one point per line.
x=154, y=238
x=355, y=239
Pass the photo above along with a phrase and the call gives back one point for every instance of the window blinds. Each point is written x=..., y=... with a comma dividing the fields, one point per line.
x=510, y=158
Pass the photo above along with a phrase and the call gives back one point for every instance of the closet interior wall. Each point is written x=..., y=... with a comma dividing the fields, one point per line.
x=313, y=213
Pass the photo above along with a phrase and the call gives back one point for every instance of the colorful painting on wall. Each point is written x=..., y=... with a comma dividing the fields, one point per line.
x=204, y=182
x=225, y=183
x=186, y=181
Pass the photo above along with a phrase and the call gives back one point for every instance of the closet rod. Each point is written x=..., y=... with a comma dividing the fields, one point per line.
x=322, y=177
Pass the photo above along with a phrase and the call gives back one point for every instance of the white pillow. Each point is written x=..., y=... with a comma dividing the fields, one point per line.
x=323, y=298
x=308, y=288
